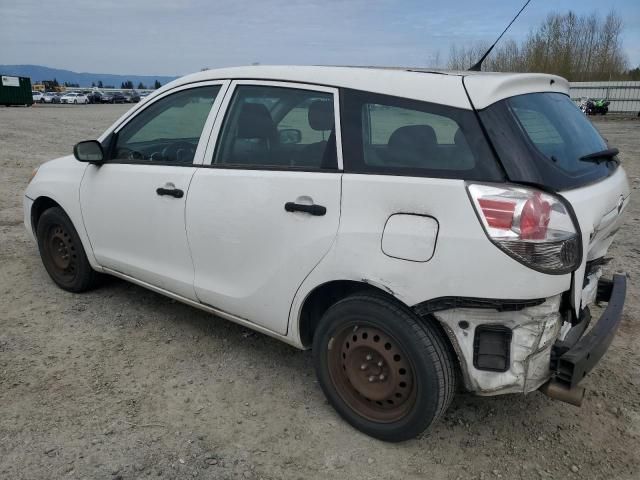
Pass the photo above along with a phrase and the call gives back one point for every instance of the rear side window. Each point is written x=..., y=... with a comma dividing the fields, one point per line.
x=384, y=134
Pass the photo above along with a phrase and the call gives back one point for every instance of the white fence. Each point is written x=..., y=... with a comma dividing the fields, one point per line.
x=624, y=96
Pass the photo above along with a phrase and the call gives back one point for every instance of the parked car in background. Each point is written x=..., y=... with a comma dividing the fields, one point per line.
x=144, y=95
x=38, y=97
x=118, y=97
x=132, y=96
x=75, y=98
x=106, y=97
x=95, y=97
x=51, y=97
x=461, y=237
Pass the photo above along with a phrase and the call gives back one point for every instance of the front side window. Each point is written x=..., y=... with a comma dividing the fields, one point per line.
x=278, y=127
x=385, y=134
x=168, y=131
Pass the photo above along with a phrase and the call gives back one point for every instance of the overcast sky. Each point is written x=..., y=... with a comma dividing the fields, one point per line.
x=174, y=37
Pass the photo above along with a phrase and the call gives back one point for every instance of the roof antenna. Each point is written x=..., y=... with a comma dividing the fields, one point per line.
x=478, y=66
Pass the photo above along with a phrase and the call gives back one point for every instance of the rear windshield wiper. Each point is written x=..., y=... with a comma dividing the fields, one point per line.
x=602, y=154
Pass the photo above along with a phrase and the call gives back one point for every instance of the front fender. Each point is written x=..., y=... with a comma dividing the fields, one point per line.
x=59, y=180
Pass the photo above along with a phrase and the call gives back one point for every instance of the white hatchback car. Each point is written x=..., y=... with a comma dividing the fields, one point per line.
x=74, y=97
x=416, y=229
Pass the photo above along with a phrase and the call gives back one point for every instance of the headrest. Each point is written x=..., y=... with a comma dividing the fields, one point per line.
x=413, y=137
x=255, y=122
x=321, y=115
x=459, y=139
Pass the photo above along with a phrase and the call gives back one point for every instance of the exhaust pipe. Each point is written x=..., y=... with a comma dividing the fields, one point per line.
x=557, y=391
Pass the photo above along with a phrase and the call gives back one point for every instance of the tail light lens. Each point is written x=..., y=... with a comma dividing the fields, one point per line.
x=533, y=227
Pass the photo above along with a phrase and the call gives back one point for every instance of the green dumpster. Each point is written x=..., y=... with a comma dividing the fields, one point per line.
x=15, y=90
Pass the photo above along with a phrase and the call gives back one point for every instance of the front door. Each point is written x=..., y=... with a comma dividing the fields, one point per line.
x=266, y=210
x=133, y=205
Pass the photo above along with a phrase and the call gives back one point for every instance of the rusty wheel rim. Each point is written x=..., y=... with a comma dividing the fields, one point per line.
x=372, y=373
x=61, y=255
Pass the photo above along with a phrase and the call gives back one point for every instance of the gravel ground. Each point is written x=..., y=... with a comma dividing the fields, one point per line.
x=123, y=383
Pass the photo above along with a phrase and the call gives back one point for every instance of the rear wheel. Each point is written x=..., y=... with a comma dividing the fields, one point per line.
x=62, y=253
x=386, y=372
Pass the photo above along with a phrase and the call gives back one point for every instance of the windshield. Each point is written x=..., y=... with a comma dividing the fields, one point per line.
x=541, y=137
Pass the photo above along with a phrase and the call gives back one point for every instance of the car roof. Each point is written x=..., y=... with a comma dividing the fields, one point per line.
x=431, y=85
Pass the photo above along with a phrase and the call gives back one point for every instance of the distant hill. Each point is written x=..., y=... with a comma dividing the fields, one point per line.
x=38, y=73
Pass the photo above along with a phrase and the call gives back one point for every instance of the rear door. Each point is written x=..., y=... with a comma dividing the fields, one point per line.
x=265, y=207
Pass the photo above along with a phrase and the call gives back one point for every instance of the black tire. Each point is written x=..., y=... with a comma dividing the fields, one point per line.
x=431, y=376
x=62, y=252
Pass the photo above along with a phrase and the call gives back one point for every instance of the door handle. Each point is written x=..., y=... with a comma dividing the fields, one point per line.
x=172, y=192
x=317, y=210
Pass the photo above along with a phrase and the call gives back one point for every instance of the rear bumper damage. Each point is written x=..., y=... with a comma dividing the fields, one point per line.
x=525, y=345
x=576, y=355
x=523, y=350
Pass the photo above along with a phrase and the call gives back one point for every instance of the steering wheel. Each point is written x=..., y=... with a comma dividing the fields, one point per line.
x=124, y=152
x=170, y=152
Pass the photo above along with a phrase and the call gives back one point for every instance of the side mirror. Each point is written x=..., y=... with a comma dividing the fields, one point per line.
x=89, y=151
x=289, y=136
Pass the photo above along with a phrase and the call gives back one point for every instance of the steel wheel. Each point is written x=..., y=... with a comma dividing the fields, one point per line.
x=60, y=253
x=371, y=373
x=385, y=371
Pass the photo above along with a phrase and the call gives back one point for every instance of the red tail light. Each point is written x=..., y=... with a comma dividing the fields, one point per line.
x=533, y=227
x=535, y=217
x=499, y=214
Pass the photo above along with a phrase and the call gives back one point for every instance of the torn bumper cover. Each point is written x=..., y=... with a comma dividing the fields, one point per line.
x=574, y=357
x=539, y=350
x=534, y=330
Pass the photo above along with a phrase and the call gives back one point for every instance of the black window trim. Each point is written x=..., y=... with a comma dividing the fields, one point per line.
x=271, y=168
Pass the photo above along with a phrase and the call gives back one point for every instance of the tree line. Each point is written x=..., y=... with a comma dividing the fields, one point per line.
x=577, y=47
x=127, y=85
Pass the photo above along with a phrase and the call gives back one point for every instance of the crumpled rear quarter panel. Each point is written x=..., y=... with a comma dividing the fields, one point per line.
x=534, y=330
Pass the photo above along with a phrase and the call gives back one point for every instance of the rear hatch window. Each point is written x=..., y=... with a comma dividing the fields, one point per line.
x=541, y=138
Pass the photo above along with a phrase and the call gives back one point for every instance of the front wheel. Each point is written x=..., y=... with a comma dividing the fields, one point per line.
x=62, y=252
x=385, y=371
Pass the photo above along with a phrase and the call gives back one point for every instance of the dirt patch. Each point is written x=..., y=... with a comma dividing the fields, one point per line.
x=125, y=383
